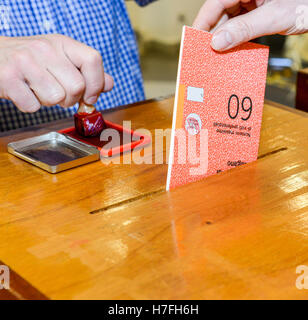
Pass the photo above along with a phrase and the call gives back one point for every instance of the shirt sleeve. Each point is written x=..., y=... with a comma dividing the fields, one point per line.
x=143, y=3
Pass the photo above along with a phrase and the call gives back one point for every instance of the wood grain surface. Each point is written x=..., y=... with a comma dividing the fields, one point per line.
x=111, y=231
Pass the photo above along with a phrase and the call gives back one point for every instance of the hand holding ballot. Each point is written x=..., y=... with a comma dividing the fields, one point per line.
x=237, y=21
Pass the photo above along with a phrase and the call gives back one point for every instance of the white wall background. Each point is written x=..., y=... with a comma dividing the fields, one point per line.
x=163, y=20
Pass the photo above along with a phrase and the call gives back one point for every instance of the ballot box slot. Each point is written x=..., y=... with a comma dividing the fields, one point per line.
x=271, y=153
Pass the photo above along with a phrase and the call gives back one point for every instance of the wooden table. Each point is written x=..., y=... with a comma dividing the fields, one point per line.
x=112, y=232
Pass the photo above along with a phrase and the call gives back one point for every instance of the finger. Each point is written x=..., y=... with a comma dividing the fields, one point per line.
x=109, y=83
x=64, y=72
x=50, y=56
x=208, y=15
x=211, y=12
x=224, y=18
x=69, y=77
x=22, y=96
x=259, y=2
x=46, y=88
x=90, y=63
x=262, y=21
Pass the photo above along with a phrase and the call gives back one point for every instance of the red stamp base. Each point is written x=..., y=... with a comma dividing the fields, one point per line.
x=129, y=139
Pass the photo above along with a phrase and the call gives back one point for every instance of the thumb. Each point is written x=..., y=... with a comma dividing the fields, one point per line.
x=256, y=23
x=108, y=83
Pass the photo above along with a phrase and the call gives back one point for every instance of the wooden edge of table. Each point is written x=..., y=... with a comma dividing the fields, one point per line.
x=281, y=106
x=20, y=289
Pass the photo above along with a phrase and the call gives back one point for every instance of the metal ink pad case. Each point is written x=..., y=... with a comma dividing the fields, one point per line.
x=66, y=149
x=54, y=152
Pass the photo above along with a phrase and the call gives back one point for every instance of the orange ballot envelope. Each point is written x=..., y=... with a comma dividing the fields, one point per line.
x=218, y=108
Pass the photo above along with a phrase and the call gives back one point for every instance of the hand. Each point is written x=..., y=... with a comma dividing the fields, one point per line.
x=48, y=70
x=236, y=21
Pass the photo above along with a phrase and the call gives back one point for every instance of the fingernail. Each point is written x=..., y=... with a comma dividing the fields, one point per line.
x=91, y=100
x=221, y=40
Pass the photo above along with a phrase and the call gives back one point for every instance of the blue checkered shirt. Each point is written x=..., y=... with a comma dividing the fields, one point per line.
x=101, y=24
